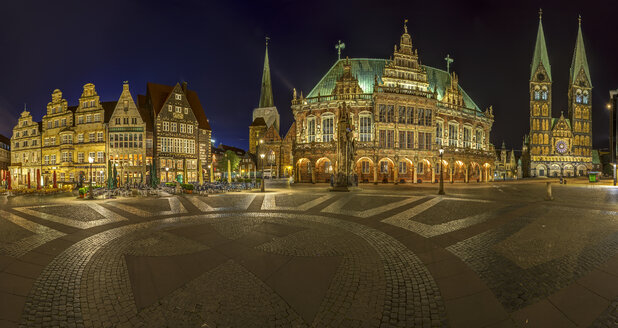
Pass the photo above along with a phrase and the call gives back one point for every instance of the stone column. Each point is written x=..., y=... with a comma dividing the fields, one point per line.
x=433, y=173
x=415, y=172
x=451, y=171
x=312, y=173
x=466, y=178
x=375, y=174
x=396, y=173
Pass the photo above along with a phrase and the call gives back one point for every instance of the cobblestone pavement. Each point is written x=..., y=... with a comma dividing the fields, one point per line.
x=484, y=255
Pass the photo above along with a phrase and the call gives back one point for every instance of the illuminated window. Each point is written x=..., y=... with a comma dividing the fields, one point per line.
x=365, y=127
x=311, y=129
x=327, y=128
x=365, y=167
x=383, y=167
x=467, y=135
x=174, y=127
x=452, y=134
x=166, y=126
x=402, y=167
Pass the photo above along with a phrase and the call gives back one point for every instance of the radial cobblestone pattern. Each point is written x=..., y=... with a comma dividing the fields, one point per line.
x=306, y=257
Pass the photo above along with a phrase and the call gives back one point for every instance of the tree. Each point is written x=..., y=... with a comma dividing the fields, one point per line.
x=234, y=161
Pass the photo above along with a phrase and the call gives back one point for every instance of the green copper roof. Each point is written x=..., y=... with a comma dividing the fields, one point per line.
x=579, y=58
x=540, y=53
x=362, y=68
x=366, y=69
x=266, y=94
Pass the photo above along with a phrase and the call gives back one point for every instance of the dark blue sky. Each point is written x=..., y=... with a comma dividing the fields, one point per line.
x=218, y=48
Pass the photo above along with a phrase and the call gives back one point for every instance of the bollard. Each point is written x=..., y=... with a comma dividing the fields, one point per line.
x=549, y=196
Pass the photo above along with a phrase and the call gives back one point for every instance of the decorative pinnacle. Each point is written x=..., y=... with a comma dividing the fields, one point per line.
x=267, y=39
x=540, y=13
x=579, y=19
x=405, y=25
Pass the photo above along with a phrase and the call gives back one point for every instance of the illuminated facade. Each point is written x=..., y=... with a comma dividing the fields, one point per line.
x=264, y=137
x=26, y=152
x=86, y=139
x=402, y=113
x=5, y=159
x=181, y=132
x=559, y=146
x=127, y=140
x=120, y=131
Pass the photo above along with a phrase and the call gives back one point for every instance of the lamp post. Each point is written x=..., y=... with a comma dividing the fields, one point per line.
x=441, y=191
x=262, y=159
x=210, y=170
x=167, y=170
x=613, y=95
x=90, y=160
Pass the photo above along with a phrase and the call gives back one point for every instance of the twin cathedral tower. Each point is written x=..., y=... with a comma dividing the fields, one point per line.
x=559, y=146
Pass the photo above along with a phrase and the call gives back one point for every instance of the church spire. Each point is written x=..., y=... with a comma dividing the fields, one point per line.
x=579, y=57
x=540, y=51
x=266, y=94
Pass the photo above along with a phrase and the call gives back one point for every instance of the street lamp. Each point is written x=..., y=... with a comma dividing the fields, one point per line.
x=210, y=170
x=441, y=191
x=613, y=95
x=262, y=158
x=90, y=160
x=167, y=170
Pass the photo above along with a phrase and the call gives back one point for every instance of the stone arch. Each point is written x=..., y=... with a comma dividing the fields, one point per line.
x=367, y=175
x=581, y=169
x=324, y=168
x=541, y=170
x=386, y=167
x=408, y=174
x=568, y=170
x=423, y=170
x=554, y=170
x=303, y=169
x=474, y=172
x=546, y=139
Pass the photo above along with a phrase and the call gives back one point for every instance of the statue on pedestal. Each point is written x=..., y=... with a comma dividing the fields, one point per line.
x=345, y=151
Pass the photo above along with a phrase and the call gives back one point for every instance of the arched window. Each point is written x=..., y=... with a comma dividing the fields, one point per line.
x=537, y=94
x=585, y=98
x=578, y=96
x=544, y=93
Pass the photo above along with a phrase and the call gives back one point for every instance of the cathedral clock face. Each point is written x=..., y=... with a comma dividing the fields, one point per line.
x=561, y=146
x=540, y=77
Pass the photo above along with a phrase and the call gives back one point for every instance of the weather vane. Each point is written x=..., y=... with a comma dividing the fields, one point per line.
x=449, y=60
x=339, y=46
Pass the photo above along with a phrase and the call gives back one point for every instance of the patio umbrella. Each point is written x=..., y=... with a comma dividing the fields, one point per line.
x=110, y=179
x=38, y=179
x=55, y=184
x=115, y=180
x=199, y=167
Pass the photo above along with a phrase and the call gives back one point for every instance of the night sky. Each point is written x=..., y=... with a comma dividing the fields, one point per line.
x=218, y=48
